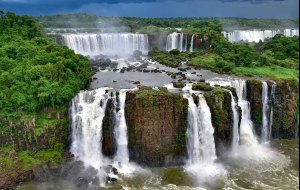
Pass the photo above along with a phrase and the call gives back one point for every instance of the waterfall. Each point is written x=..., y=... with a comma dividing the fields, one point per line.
x=176, y=41
x=121, y=136
x=236, y=134
x=257, y=35
x=273, y=93
x=247, y=136
x=265, y=119
x=111, y=44
x=86, y=113
x=192, y=44
x=200, y=133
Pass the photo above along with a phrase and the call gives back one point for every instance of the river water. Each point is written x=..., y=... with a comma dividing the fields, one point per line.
x=253, y=168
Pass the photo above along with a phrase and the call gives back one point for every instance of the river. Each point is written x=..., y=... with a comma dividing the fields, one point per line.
x=256, y=168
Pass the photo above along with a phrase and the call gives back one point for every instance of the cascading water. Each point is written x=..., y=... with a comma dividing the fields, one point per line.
x=192, y=43
x=247, y=136
x=122, y=155
x=256, y=35
x=87, y=111
x=273, y=92
x=201, y=144
x=176, y=41
x=265, y=120
x=236, y=134
x=110, y=44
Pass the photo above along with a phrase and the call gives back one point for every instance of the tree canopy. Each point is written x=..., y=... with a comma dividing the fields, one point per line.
x=34, y=71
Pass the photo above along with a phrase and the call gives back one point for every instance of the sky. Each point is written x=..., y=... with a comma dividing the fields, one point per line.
x=285, y=9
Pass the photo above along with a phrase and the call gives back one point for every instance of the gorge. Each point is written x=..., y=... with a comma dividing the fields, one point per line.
x=159, y=110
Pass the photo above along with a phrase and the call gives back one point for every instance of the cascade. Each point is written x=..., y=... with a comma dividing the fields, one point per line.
x=247, y=136
x=86, y=112
x=273, y=92
x=176, y=41
x=121, y=136
x=200, y=133
x=111, y=44
x=236, y=135
x=265, y=120
x=256, y=35
x=192, y=44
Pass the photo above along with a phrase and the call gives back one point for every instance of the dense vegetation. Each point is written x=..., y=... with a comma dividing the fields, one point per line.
x=34, y=71
x=131, y=24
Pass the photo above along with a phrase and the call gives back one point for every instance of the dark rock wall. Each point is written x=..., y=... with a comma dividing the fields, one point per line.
x=157, y=127
x=286, y=110
x=254, y=96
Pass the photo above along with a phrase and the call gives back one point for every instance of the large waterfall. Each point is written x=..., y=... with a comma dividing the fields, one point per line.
x=201, y=144
x=109, y=44
x=257, y=35
x=87, y=111
x=120, y=131
x=177, y=41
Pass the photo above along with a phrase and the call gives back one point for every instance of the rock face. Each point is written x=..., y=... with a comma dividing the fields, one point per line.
x=157, y=124
x=219, y=102
x=159, y=40
x=36, y=132
x=254, y=96
x=109, y=144
x=286, y=110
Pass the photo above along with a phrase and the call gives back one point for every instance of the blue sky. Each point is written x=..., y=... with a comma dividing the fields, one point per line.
x=159, y=8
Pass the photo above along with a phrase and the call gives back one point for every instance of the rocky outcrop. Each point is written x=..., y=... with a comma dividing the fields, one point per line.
x=157, y=125
x=254, y=96
x=286, y=109
x=219, y=102
x=109, y=144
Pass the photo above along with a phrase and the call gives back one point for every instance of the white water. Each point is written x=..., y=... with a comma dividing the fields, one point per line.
x=273, y=91
x=247, y=136
x=122, y=155
x=109, y=44
x=236, y=134
x=265, y=118
x=201, y=144
x=87, y=111
x=257, y=35
x=192, y=43
x=176, y=41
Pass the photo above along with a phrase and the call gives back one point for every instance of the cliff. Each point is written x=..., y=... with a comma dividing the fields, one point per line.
x=219, y=102
x=286, y=110
x=157, y=124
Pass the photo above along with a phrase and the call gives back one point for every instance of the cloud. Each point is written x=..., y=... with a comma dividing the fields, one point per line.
x=159, y=8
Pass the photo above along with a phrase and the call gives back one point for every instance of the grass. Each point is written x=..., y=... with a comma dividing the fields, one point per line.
x=274, y=72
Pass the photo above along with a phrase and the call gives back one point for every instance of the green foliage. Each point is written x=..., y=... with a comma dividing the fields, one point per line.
x=34, y=71
x=175, y=52
x=202, y=87
x=171, y=60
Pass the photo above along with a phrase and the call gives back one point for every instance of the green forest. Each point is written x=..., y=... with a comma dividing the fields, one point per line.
x=34, y=71
x=91, y=22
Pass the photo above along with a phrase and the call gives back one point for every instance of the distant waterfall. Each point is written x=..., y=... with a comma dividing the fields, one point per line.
x=200, y=134
x=86, y=113
x=122, y=155
x=176, y=41
x=110, y=44
x=192, y=43
x=256, y=35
